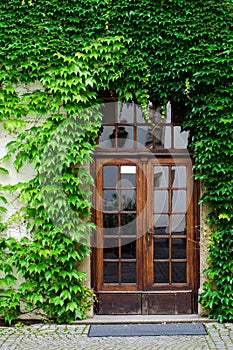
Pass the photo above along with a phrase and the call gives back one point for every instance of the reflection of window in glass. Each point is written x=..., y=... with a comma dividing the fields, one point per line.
x=125, y=126
x=128, y=200
x=161, y=176
x=128, y=176
x=104, y=139
x=161, y=224
x=109, y=111
x=110, y=176
x=179, y=176
x=178, y=201
x=161, y=201
x=180, y=138
x=128, y=224
x=126, y=112
x=110, y=200
x=110, y=224
x=179, y=224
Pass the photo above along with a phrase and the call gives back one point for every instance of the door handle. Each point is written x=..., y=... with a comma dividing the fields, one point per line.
x=149, y=236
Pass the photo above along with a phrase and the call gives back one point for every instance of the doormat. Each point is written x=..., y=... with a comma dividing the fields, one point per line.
x=146, y=329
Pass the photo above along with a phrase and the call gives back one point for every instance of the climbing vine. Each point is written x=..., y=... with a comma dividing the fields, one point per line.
x=55, y=59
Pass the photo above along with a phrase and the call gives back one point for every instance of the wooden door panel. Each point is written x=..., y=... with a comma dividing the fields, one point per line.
x=119, y=303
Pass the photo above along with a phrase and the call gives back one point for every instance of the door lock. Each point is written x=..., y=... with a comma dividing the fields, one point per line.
x=149, y=236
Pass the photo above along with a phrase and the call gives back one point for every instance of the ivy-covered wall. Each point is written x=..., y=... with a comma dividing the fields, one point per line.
x=163, y=50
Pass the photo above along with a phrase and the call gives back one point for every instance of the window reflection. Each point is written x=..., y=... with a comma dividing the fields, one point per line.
x=125, y=126
x=179, y=176
x=179, y=224
x=128, y=200
x=161, y=176
x=161, y=224
x=104, y=139
x=161, y=201
x=110, y=200
x=110, y=176
x=178, y=201
x=110, y=224
x=128, y=224
x=126, y=112
x=128, y=176
x=180, y=137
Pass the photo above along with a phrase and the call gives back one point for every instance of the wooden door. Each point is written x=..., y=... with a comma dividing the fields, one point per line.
x=145, y=257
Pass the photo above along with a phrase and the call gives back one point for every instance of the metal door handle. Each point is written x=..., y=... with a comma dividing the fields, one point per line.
x=149, y=236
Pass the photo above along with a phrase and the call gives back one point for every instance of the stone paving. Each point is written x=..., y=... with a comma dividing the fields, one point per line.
x=72, y=337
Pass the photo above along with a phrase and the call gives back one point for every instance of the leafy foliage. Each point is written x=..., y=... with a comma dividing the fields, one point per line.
x=178, y=50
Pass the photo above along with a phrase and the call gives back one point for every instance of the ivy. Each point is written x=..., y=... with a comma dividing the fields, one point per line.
x=69, y=51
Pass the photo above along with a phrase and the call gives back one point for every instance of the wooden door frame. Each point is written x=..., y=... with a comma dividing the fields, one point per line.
x=194, y=256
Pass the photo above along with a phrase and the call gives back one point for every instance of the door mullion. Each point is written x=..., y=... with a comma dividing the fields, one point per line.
x=170, y=224
x=149, y=226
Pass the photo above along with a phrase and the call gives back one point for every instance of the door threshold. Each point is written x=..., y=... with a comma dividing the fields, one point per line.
x=127, y=319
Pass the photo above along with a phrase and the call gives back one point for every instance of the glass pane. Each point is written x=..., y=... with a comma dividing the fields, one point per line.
x=110, y=200
x=128, y=272
x=180, y=138
x=160, y=176
x=159, y=133
x=161, y=224
x=179, y=272
x=144, y=137
x=110, y=176
x=160, y=201
x=161, y=272
x=109, y=112
x=126, y=112
x=110, y=223
x=128, y=249
x=128, y=200
x=128, y=176
x=111, y=250
x=154, y=112
x=125, y=137
x=178, y=176
x=178, y=201
x=110, y=272
x=105, y=140
x=162, y=136
x=161, y=248
x=179, y=248
x=168, y=113
x=139, y=115
x=111, y=243
x=179, y=224
x=128, y=224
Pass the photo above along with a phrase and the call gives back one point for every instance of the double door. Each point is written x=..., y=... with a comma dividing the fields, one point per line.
x=145, y=258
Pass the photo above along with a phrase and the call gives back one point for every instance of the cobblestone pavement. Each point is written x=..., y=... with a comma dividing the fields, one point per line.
x=72, y=337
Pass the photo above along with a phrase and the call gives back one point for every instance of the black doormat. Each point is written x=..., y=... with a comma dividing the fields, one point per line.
x=146, y=329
